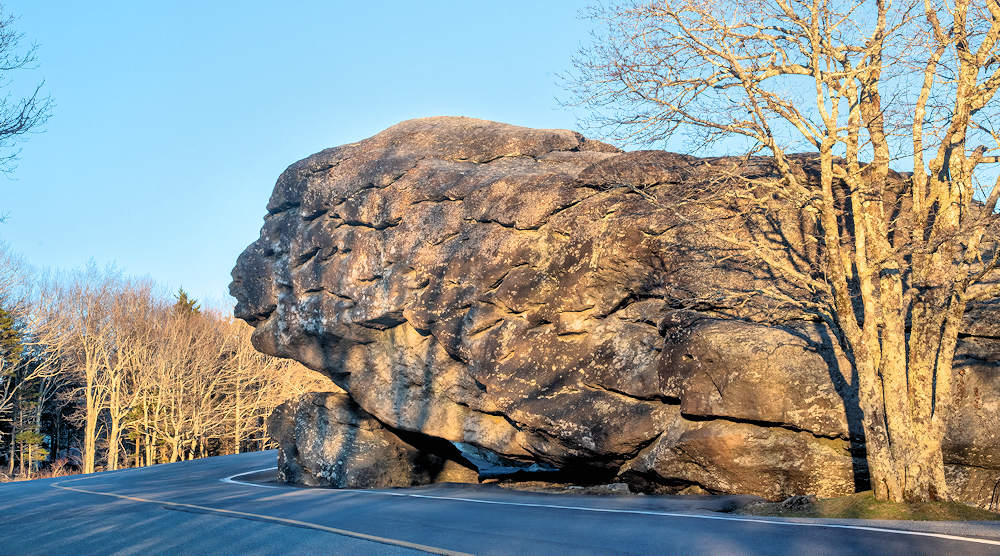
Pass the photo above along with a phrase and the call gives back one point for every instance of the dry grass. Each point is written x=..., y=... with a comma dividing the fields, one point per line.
x=58, y=468
x=864, y=506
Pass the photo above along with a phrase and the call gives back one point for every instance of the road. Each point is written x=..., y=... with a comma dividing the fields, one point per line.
x=191, y=508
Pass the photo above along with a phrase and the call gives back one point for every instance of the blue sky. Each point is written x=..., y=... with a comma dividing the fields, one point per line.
x=172, y=120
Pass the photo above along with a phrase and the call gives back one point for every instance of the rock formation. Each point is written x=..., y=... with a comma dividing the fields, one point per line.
x=327, y=440
x=514, y=289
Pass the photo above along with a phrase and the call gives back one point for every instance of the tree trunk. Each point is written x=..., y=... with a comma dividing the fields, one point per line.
x=114, y=437
x=14, y=416
x=39, y=409
x=878, y=447
x=56, y=444
x=150, y=449
x=903, y=443
x=929, y=389
x=238, y=414
x=89, y=440
x=92, y=409
x=150, y=443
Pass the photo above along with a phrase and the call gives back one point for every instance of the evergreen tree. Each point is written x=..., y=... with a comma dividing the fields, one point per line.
x=186, y=305
x=32, y=447
x=11, y=344
x=11, y=351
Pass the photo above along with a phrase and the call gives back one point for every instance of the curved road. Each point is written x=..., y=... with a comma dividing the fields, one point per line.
x=206, y=506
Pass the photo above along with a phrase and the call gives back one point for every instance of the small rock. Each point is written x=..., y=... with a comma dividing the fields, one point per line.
x=798, y=503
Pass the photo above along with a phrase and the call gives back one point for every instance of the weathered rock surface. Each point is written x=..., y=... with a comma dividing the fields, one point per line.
x=325, y=439
x=724, y=456
x=508, y=288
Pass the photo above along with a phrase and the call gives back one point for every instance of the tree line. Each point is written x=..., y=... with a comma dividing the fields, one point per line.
x=101, y=371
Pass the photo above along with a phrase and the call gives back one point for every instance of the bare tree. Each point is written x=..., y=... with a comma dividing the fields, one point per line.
x=29, y=369
x=259, y=383
x=866, y=86
x=188, y=389
x=160, y=379
x=14, y=304
x=19, y=115
x=80, y=333
x=134, y=312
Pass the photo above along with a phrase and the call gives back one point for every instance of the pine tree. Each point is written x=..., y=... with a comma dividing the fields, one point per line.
x=11, y=344
x=11, y=351
x=186, y=305
x=32, y=448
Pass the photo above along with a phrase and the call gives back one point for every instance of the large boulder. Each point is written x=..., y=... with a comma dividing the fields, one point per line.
x=325, y=439
x=514, y=289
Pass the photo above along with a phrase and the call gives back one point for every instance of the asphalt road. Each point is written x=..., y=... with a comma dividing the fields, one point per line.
x=190, y=508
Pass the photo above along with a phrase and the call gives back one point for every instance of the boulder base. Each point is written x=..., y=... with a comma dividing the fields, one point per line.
x=325, y=439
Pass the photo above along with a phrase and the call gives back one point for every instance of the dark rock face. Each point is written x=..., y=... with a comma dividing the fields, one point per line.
x=507, y=288
x=327, y=440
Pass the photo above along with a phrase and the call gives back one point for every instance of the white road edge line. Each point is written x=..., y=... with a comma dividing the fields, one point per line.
x=693, y=516
x=230, y=479
x=282, y=520
x=644, y=512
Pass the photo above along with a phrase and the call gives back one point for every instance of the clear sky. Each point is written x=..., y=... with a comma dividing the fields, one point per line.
x=172, y=120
